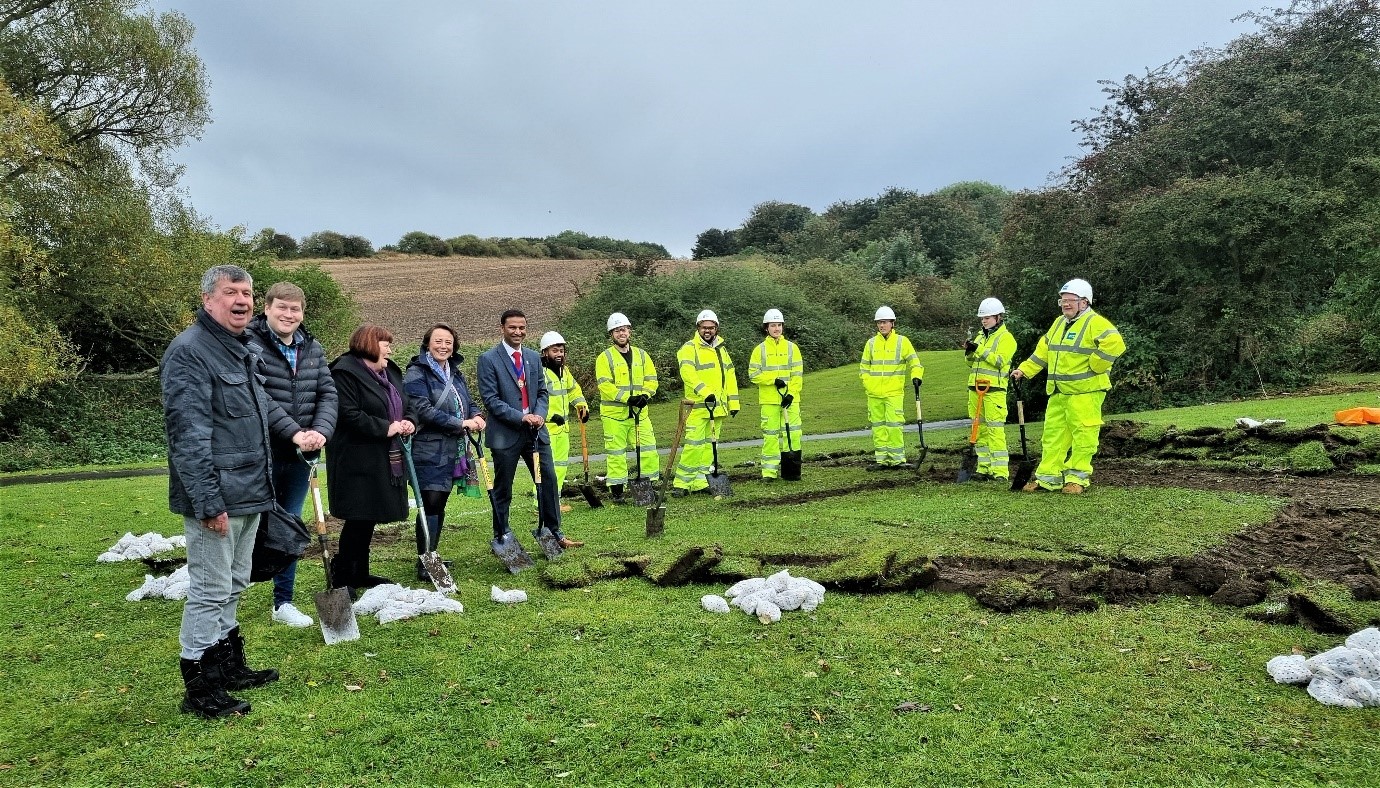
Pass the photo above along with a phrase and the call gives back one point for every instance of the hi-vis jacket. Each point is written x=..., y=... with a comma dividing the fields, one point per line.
x=776, y=358
x=1077, y=354
x=707, y=369
x=563, y=393
x=991, y=361
x=885, y=364
x=620, y=381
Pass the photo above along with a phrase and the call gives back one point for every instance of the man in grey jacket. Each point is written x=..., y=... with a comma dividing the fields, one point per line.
x=215, y=414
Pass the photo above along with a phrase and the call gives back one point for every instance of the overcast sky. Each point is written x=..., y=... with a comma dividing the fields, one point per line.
x=641, y=119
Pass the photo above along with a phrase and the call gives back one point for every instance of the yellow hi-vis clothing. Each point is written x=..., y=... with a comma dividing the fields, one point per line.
x=886, y=364
x=705, y=370
x=563, y=397
x=991, y=361
x=621, y=378
x=1077, y=355
x=777, y=358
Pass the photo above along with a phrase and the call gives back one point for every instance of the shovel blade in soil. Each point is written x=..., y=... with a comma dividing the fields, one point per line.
x=643, y=492
x=1022, y=474
x=591, y=497
x=337, y=616
x=437, y=571
x=509, y=550
x=550, y=545
x=790, y=465
x=656, y=520
x=969, y=468
x=719, y=486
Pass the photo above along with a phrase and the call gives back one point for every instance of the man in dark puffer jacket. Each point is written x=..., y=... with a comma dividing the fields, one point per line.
x=303, y=417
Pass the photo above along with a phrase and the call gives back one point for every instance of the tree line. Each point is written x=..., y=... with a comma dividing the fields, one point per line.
x=1224, y=207
x=567, y=245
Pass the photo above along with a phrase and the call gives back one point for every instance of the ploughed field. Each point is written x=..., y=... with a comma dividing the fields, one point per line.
x=407, y=295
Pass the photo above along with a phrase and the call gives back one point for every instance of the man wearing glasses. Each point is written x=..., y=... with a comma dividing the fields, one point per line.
x=1077, y=353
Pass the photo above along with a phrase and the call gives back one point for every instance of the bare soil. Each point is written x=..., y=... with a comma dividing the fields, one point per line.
x=407, y=295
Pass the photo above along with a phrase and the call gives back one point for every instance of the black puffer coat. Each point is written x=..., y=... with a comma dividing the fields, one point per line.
x=358, y=478
x=304, y=399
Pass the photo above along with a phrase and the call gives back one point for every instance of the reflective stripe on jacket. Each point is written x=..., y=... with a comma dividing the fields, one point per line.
x=885, y=364
x=618, y=381
x=776, y=358
x=1077, y=354
x=991, y=361
x=708, y=369
x=564, y=394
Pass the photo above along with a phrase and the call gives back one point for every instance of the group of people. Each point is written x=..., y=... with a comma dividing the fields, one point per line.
x=249, y=403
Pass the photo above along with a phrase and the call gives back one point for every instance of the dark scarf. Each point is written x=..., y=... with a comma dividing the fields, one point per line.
x=395, y=413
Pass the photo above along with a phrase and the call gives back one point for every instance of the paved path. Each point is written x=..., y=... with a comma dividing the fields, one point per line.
x=126, y=473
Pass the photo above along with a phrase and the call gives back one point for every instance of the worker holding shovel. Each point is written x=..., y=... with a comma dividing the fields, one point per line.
x=778, y=370
x=706, y=369
x=1077, y=353
x=564, y=395
x=887, y=360
x=989, y=356
x=627, y=382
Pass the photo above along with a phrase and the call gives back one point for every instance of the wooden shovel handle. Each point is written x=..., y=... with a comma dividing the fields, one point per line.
x=981, y=387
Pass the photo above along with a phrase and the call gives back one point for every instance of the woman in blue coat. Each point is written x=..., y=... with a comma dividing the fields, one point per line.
x=437, y=388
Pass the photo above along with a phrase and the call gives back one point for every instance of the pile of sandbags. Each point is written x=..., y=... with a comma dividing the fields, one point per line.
x=392, y=602
x=1346, y=676
x=767, y=597
x=173, y=586
x=134, y=548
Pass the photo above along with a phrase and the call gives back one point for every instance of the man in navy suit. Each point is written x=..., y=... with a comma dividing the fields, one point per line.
x=513, y=388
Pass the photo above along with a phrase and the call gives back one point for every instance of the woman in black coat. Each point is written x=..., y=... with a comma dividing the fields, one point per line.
x=364, y=460
x=437, y=388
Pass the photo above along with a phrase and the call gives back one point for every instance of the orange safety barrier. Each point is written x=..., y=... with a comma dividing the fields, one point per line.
x=1356, y=417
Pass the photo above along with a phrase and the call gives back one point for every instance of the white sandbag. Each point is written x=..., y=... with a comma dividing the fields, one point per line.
x=714, y=603
x=1327, y=690
x=392, y=602
x=173, y=586
x=768, y=613
x=1345, y=663
x=745, y=586
x=510, y=597
x=133, y=548
x=1367, y=640
x=1289, y=669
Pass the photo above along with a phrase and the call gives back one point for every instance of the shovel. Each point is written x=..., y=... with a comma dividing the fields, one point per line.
x=790, y=458
x=920, y=429
x=719, y=486
x=969, y=468
x=643, y=489
x=332, y=605
x=586, y=489
x=1023, y=469
x=431, y=560
x=656, y=515
x=550, y=543
x=507, y=549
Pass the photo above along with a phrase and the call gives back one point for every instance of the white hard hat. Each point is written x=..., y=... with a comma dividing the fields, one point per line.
x=990, y=307
x=1078, y=287
x=618, y=319
x=884, y=313
x=707, y=314
x=773, y=316
x=551, y=338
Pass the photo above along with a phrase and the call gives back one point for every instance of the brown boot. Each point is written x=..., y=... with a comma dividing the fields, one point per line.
x=1031, y=487
x=1073, y=488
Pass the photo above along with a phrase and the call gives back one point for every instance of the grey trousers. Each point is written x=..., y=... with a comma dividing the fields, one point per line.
x=218, y=567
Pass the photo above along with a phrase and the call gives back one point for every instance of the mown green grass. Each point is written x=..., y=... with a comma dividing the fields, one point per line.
x=624, y=682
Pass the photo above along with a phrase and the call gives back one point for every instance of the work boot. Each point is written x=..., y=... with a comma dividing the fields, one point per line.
x=363, y=579
x=568, y=543
x=1073, y=488
x=1031, y=487
x=679, y=492
x=205, y=697
x=616, y=491
x=342, y=575
x=239, y=675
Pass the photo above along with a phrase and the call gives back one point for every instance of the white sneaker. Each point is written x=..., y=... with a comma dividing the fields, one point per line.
x=290, y=615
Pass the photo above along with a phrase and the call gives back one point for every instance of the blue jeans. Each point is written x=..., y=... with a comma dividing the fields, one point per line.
x=290, y=483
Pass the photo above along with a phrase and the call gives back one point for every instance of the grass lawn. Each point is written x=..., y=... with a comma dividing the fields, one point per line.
x=625, y=682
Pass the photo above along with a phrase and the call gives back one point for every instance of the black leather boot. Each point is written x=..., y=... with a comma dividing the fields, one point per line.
x=205, y=697
x=342, y=575
x=238, y=675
